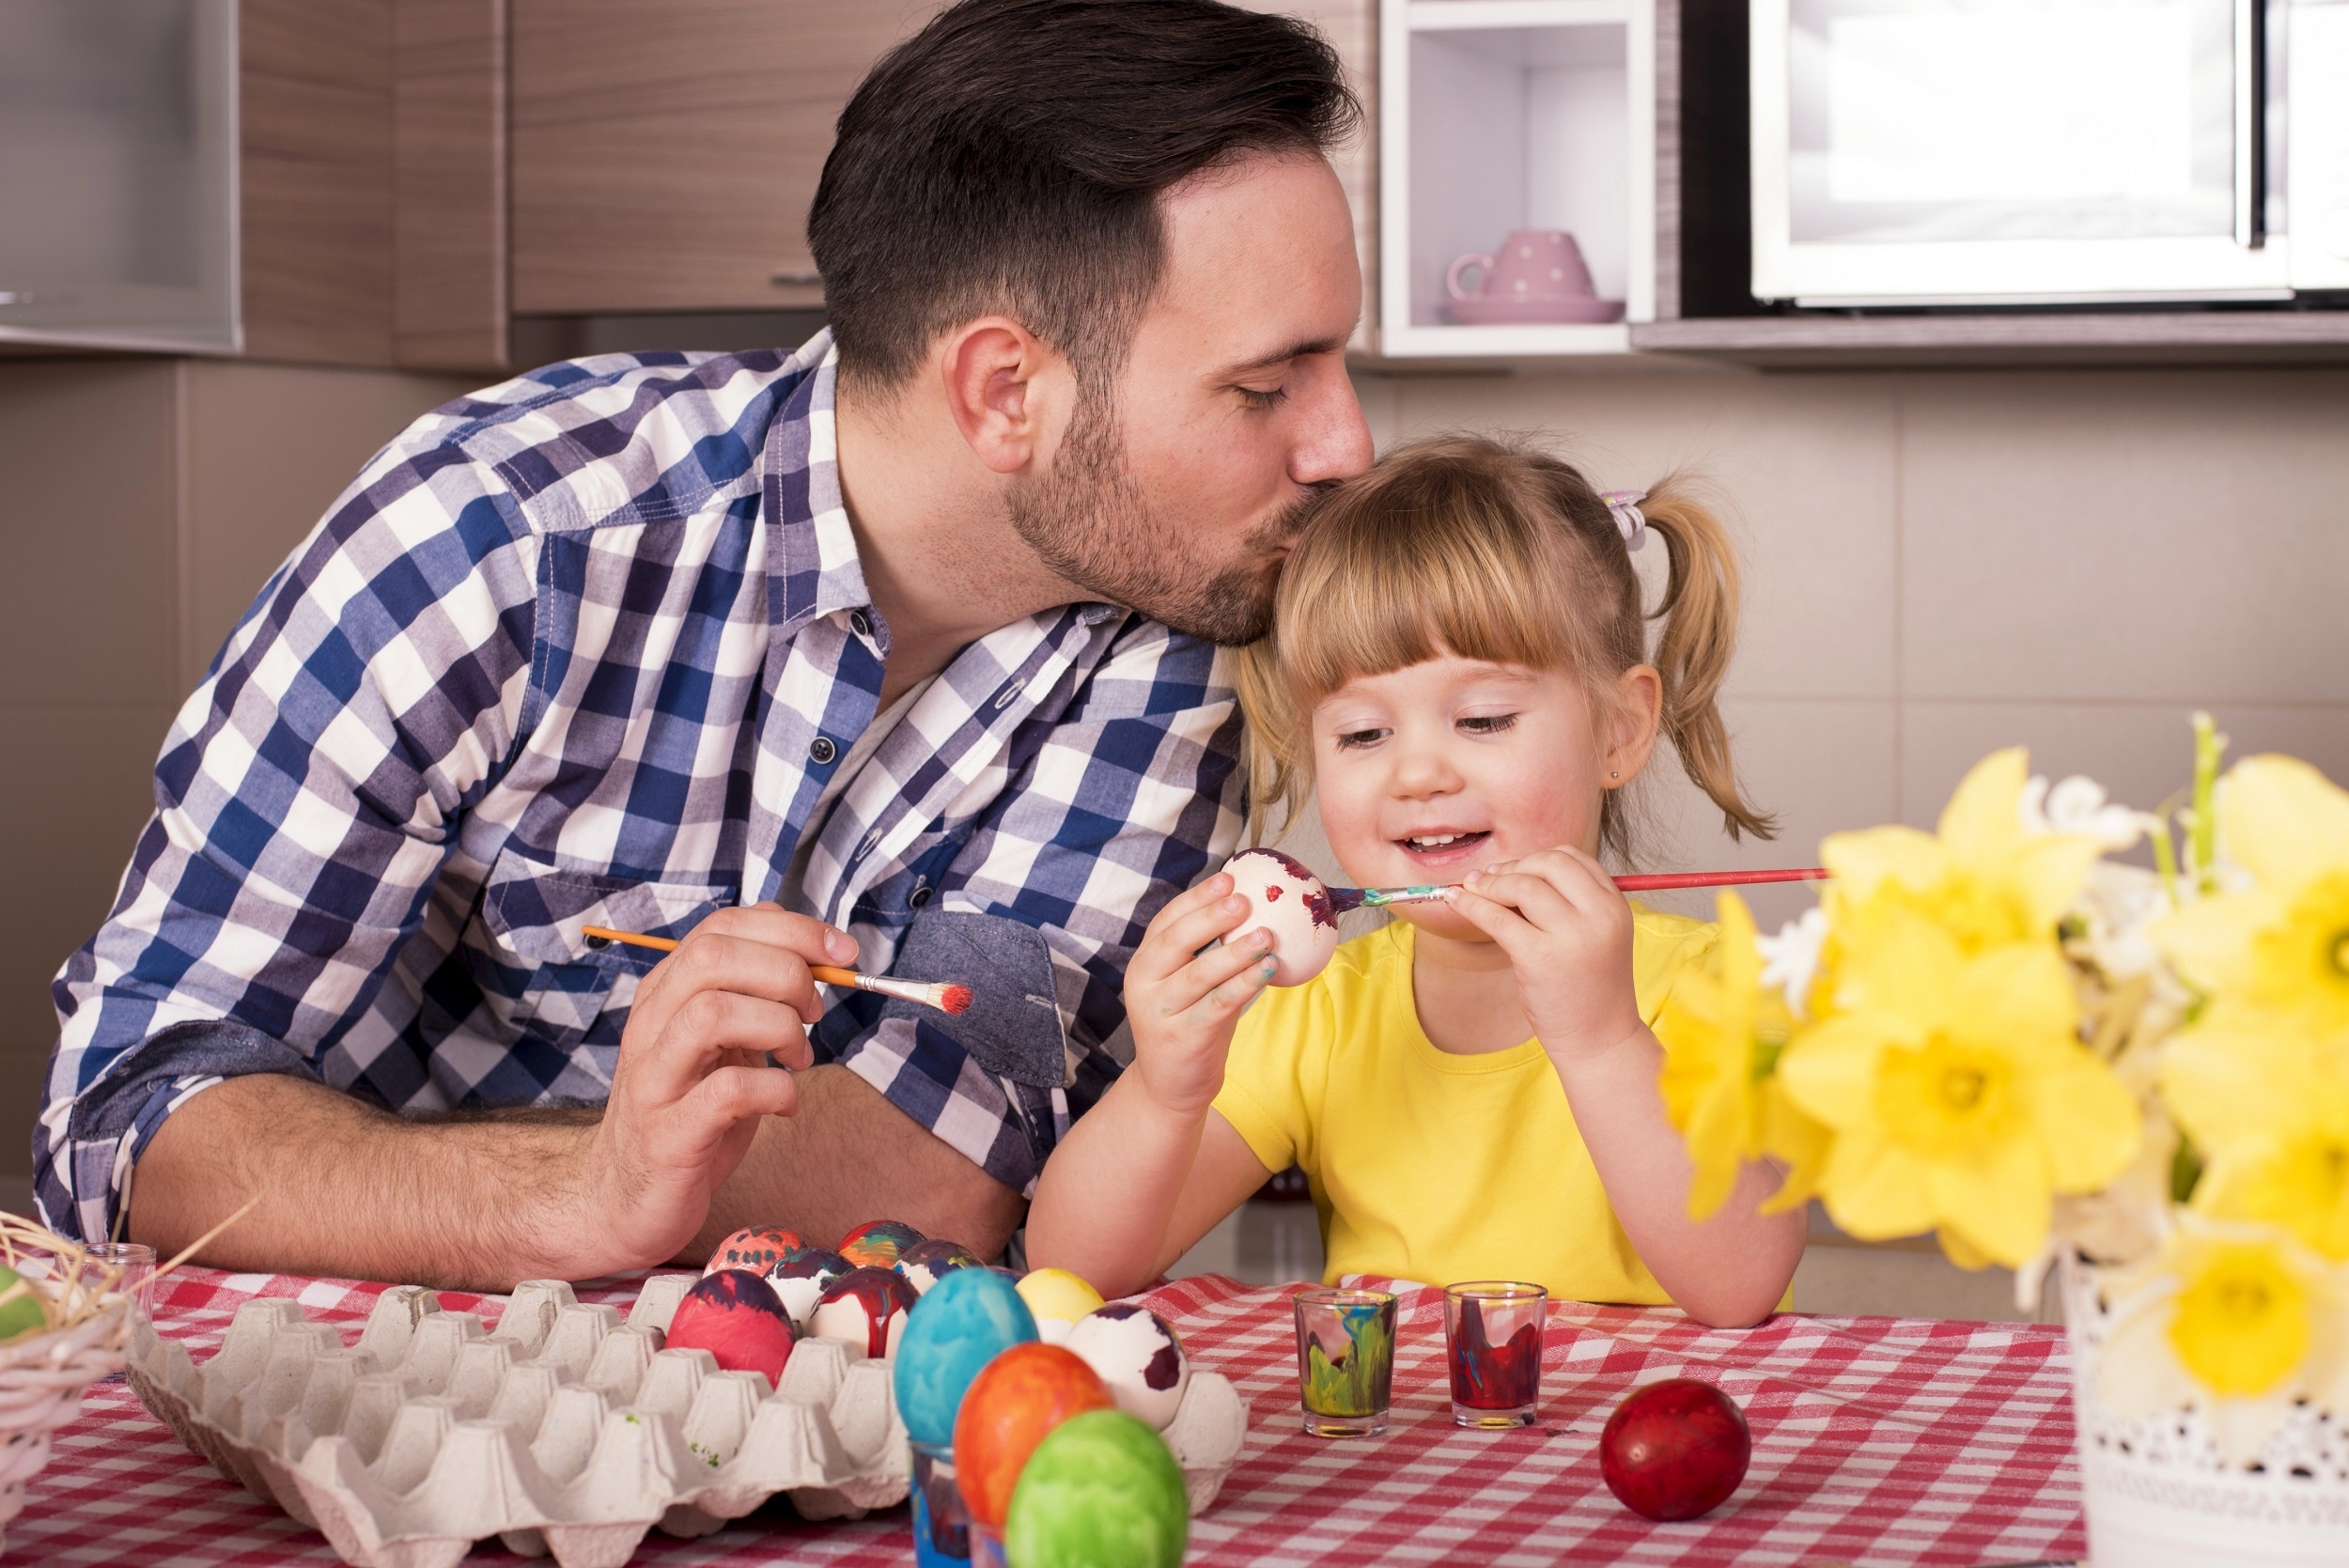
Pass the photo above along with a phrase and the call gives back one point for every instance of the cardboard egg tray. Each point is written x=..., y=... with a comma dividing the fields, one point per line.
x=563, y=1429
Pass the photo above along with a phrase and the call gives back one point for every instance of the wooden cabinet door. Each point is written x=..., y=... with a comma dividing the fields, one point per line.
x=665, y=151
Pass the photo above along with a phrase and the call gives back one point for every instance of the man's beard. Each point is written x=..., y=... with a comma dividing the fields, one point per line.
x=1086, y=519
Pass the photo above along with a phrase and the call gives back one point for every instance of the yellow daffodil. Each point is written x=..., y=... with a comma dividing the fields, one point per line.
x=2269, y=1110
x=1722, y=1032
x=1958, y=1090
x=2279, y=946
x=1984, y=877
x=2239, y=1320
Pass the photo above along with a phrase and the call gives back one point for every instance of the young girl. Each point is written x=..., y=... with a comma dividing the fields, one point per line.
x=1459, y=671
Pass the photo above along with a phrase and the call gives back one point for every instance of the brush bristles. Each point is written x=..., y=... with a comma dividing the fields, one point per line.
x=951, y=999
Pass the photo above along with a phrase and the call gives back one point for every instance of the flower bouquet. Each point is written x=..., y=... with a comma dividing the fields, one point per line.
x=2000, y=1034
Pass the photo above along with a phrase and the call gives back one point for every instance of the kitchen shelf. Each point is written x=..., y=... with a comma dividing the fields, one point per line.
x=2114, y=338
x=1499, y=115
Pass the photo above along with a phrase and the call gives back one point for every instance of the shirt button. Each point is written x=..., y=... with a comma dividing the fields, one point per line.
x=822, y=750
x=918, y=896
x=863, y=626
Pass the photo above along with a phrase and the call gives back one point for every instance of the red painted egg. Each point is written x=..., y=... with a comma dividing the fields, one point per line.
x=878, y=1244
x=735, y=1315
x=867, y=1307
x=757, y=1249
x=1674, y=1449
x=1016, y=1400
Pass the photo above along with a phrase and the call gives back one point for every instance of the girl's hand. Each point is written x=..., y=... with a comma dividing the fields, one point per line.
x=1182, y=1008
x=1567, y=932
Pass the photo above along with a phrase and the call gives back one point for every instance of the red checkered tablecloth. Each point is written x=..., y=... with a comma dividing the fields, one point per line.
x=1876, y=1441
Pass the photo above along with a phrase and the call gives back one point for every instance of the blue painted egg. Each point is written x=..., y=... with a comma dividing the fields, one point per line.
x=968, y=1318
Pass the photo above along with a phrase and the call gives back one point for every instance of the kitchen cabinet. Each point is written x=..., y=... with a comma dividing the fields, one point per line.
x=665, y=151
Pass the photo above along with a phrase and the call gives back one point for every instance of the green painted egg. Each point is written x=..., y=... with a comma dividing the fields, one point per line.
x=22, y=1315
x=1102, y=1491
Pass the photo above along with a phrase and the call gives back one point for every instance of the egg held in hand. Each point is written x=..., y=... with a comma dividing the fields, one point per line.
x=1674, y=1449
x=1138, y=1354
x=1290, y=902
x=867, y=1308
x=960, y=1324
x=734, y=1315
x=1010, y=1407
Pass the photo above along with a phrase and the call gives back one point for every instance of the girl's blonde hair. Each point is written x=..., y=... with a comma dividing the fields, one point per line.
x=1466, y=545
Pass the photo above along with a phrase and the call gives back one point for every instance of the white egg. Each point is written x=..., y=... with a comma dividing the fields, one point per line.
x=1138, y=1354
x=1291, y=903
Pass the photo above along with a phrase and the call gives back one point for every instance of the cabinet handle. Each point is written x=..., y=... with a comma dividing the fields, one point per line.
x=784, y=279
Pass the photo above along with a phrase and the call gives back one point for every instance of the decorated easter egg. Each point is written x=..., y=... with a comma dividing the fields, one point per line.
x=1290, y=902
x=1016, y=1400
x=20, y=1306
x=734, y=1314
x=1058, y=1299
x=878, y=1243
x=1139, y=1355
x=926, y=1263
x=1674, y=1449
x=801, y=1280
x=960, y=1326
x=1100, y=1488
x=755, y=1247
x=865, y=1306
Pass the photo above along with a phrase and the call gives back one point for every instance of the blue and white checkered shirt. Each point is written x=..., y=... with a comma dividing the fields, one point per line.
x=584, y=649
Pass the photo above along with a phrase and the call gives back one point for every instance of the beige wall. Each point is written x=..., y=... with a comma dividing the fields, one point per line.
x=1942, y=563
x=142, y=503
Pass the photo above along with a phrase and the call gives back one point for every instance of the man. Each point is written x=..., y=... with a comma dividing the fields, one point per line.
x=895, y=652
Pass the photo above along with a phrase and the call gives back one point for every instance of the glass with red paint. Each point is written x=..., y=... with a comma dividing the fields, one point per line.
x=1492, y=1335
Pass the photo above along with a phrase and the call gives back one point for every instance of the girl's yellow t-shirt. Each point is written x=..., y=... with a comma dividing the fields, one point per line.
x=1428, y=1166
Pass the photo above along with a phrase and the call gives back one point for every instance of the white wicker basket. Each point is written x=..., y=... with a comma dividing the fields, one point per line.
x=2159, y=1494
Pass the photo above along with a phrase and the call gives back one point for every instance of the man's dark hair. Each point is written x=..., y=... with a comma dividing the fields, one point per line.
x=1008, y=158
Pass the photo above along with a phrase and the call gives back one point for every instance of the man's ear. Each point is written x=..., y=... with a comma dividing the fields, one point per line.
x=1639, y=712
x=1010, y=393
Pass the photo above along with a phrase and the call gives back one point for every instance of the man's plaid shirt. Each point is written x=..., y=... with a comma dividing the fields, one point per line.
x=584, y=649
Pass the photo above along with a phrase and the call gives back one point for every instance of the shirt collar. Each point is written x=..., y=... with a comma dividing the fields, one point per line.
x=817, y=571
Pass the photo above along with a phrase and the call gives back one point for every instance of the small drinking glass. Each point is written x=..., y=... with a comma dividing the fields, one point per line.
x=1492, y=1335
x=942, y=1525
x=1344, y=1362
x=137, y=1262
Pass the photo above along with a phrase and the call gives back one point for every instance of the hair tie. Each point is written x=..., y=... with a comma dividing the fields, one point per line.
x=1623, y=505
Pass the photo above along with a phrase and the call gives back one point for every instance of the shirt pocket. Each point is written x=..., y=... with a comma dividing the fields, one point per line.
x=535, y=917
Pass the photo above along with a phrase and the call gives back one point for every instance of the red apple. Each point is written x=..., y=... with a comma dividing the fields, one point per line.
x=1674, y=1449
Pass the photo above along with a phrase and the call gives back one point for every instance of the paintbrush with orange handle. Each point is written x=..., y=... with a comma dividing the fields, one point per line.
x=946, y=995
x=1343, y=900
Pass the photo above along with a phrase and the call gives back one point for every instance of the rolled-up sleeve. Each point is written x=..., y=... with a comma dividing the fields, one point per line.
x=1133, y=794
x=304, y=802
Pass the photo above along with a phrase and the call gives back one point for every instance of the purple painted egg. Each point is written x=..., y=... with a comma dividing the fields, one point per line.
x=865, y=1306
x=800, y=1281
x=1138, y=1354
x=757, y=1248
x=879, y=1243
x=927, y=1263
x=734, y=1315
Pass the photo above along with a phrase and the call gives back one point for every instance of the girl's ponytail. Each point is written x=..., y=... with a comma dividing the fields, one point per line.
x=1699, y=616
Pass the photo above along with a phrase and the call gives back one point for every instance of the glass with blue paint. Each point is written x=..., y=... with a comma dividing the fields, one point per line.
x=942, y=1525
x=1344, y=1362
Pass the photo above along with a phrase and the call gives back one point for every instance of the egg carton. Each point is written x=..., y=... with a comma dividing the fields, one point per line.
x=563, y=1429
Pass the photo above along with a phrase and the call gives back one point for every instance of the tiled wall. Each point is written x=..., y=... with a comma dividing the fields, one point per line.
x=1942, y=563
x=142, y=503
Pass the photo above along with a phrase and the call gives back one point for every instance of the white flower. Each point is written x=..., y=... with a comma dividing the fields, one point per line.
x=2116, y=909
x=1790, y=960
x=2078, y=805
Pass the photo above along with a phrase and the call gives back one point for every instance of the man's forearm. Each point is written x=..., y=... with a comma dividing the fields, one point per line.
x=350, y=1191
x=851, y=1156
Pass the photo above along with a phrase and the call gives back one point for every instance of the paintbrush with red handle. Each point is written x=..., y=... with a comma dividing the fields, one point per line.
x=1343, y=900
x=944, y=995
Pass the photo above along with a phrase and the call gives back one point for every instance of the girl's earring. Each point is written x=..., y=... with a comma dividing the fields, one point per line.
x=1614, y=775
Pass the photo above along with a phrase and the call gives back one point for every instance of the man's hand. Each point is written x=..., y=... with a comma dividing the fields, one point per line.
x=693, y=1078
x=1567, y=932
